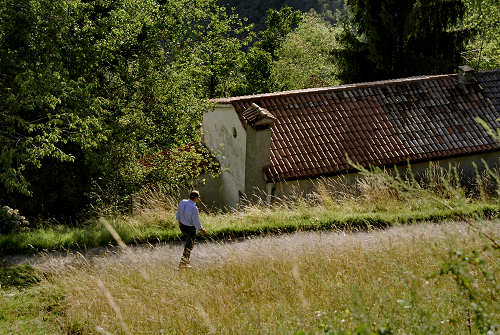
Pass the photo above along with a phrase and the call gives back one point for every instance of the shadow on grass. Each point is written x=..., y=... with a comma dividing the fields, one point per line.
x=18, y=276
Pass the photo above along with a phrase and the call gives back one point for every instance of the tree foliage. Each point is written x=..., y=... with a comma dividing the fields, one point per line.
x=304, y=59
x=87, y=88
x=253, y=10
x=483, y=50
x=393, y=38
x=217, y=48
x=44, y=104
x=257, y=66
x=279, y=23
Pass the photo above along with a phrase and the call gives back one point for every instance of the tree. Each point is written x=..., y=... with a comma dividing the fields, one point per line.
x=279, y=23
x=257, y=67
x=483, y=50
x=216, y=46
x=44, y=103
x=304, y=60
x=253, y=9
x=257, y=72
x=88, y=88
x=395, y=38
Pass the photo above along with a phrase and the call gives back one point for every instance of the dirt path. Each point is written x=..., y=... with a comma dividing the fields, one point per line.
x=213, y=252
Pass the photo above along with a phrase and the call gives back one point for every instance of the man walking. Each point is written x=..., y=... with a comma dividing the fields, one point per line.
x=189, y=223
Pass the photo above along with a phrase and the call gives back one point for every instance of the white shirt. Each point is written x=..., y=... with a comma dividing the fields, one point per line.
x=188, y=214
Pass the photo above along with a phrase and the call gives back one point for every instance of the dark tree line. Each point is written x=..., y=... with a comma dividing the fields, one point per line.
x=391, y=38
x=256, y=10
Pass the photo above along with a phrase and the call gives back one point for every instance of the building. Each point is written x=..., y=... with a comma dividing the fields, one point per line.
x=267, y=142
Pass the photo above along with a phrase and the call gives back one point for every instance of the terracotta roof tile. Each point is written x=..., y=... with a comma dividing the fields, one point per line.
x=389, y=122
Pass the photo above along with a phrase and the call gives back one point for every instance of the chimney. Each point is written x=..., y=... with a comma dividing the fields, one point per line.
x=466, y=75
x=259, y=122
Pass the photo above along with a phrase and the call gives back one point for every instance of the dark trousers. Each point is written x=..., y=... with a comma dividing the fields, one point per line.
x=188, y=235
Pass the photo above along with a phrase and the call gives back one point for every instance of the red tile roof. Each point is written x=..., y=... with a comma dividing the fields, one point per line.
x=378, y=123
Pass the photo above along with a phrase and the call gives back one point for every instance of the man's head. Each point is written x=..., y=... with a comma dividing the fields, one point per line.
x=194, y=195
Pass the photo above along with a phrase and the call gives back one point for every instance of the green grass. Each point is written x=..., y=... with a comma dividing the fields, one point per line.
x=304, y=283
x=376, y=199
x=18, y=276
x=26, y=306
x=256, y=221
x=34, y=310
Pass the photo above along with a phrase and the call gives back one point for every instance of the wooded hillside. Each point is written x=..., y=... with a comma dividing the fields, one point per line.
x=256, y=10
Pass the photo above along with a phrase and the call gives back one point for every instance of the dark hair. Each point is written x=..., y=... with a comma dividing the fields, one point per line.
x=194, y=194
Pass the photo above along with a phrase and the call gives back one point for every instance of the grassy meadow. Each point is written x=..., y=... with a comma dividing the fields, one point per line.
x=160, y=225
x=393, y=281
x=352, y=265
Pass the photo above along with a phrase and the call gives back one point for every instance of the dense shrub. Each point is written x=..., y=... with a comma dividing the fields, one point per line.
x=11, y=220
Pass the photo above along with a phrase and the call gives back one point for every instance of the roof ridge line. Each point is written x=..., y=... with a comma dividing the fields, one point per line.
x=330, y=88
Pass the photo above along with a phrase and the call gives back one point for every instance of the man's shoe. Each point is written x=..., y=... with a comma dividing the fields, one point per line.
x=184, y=266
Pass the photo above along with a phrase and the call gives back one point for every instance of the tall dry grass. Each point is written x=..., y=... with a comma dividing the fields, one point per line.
x=374, y=190
x=377, y=198
x=307, y=281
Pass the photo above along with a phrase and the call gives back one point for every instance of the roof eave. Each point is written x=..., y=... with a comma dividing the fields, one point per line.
x=399, y=164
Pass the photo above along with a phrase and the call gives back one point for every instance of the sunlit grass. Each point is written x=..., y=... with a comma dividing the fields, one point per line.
x=35, y=310
x=233, y=225
x=281, y=285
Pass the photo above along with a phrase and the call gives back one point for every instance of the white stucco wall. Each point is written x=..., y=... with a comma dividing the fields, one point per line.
x=218, y=130
x=464, y=165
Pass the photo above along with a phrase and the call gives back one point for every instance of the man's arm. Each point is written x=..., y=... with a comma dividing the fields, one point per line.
x=196, y=220
x=177, y=215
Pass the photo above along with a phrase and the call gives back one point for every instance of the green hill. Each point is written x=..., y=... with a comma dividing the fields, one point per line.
x=255, y=11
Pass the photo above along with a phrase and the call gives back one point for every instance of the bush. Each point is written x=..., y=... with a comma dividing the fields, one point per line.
x=11, y=221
